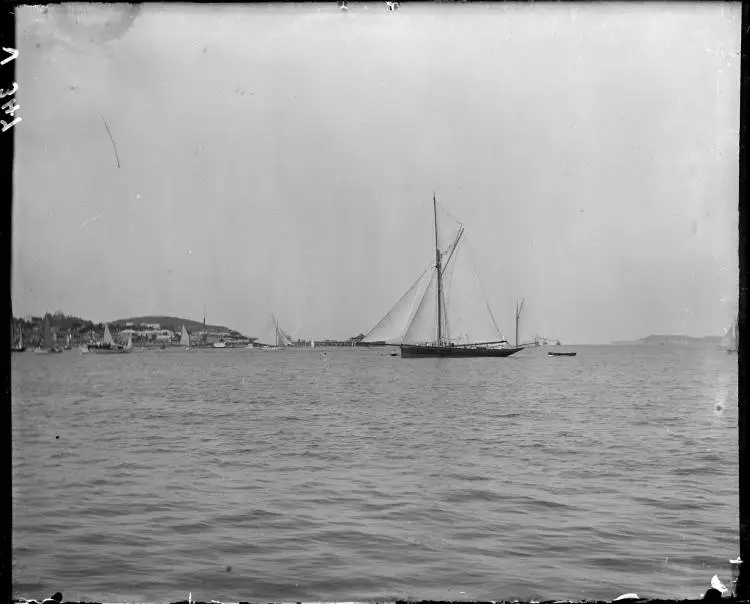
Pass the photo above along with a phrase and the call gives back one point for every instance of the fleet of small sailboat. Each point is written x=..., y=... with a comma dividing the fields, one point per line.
x=108, y=345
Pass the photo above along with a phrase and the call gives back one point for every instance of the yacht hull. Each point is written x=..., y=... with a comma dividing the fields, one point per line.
x=409, y=351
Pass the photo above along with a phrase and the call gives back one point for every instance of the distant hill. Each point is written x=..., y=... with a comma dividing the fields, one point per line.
x=173, y=324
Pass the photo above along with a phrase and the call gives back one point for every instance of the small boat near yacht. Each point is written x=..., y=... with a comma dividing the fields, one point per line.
x=47, y=345
x=561, y=354
x=108, y=345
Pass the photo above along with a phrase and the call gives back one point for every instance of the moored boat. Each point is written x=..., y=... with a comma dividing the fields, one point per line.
x=561, y=354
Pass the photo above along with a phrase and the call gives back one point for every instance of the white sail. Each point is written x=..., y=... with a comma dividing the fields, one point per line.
x=129, y=344
x=185, y=339
x=729, y=341
x=312, y=343
x=108, y=336
x=393, y=326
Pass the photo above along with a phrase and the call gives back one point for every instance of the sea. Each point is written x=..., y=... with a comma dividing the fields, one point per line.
x=353, y=475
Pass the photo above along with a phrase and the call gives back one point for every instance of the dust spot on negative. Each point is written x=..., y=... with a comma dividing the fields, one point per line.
x=97, y=24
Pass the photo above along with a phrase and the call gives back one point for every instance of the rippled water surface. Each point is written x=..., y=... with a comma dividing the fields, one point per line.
x=352, y=474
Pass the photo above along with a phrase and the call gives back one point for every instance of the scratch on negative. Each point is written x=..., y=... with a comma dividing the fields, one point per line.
x=89, y=221
x=114, y=146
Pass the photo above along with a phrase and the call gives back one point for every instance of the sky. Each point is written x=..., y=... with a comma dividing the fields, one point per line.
x=282, y=159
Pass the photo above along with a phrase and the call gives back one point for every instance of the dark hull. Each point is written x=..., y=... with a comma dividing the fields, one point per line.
x=108, y=350
x=562, y=354
x=17, y=349
x=412, y=351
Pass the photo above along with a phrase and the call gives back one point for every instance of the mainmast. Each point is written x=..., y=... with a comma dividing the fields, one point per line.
x=439, y=278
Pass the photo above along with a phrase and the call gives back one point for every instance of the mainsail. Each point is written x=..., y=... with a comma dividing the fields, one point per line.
x=108, y=336
x=446, y=304
x=185, y=338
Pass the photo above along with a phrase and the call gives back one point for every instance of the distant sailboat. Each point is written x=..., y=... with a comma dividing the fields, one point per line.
x=108, y=345
x=48, y=341
x=729, y=341
x=435, y=318
x=185, y=339
x=17, y=344
x=283, y=339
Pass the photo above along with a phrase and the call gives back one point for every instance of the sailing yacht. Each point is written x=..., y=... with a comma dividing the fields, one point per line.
x=729, y=341
x=438, y=316
x=47, y=346
x=283, y=339
x=109, y=346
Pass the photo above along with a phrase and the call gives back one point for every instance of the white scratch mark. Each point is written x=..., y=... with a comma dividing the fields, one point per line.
x=89, y=221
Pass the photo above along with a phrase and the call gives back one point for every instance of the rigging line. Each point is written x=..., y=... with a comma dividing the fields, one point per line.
x=114, y=146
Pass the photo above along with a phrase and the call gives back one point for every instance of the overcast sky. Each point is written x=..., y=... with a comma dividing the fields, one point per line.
x=281, y=159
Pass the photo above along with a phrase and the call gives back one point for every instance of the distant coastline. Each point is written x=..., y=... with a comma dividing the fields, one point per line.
x=660, y=339
x=152, y=331
x=148, y=331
